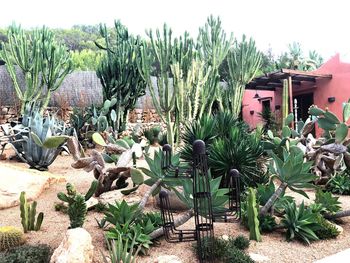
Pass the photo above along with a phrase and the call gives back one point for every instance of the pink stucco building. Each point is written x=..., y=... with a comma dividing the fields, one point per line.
x=328, y=86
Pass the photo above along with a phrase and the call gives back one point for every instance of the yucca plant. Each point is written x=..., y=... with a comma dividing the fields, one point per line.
x=119, y=251
x=300, y=222
x=38, y=140
x=241, y=151
x=292, y=172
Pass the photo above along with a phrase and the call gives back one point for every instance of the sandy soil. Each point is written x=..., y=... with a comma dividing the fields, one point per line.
x=55, y=224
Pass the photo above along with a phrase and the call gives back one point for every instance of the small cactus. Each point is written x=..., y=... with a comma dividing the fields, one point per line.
x=10, y=237
x=28, y=213
x=253, y=221
x=77, y=208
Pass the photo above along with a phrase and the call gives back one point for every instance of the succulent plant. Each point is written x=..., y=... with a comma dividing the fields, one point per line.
x=28, y=213
x=10, y=237
x=38, y=140
x=77, y=208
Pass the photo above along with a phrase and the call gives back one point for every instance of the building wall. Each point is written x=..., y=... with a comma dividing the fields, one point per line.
x=250, y=104
x=338, y=87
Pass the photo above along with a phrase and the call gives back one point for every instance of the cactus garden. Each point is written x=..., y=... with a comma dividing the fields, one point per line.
x=201, y=183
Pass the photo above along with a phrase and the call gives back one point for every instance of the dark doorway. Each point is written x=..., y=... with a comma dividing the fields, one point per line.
x=266, y=104
x=303, y=103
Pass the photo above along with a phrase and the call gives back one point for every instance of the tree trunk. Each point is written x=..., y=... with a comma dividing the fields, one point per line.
x=273, y=198
x=148, y=194
x=178, y=222
x=338, y=215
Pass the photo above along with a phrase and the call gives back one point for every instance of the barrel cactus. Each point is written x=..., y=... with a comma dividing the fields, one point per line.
x=10, y=236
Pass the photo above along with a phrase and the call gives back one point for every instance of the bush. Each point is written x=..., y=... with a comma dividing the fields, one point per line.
x=27, y=254
x=226, y=250
x=340, y=183
x=329, y=203
x=241, y=242
x=267, y=223
x=327, y=230
x=234, y=255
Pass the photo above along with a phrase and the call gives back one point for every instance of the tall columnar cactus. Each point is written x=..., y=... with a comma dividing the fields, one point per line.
x=77, y=208
x=10, y=237
x=214, y=47
x=285, y=101
x=244, y=61
x=253, y=221
x=28, y=213
x=119, y=74
x=166, y=52
x=43, y=62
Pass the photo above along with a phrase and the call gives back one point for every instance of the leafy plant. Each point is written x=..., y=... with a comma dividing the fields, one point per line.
x=235, y=255
x=269, y=119
x=329, y=203
x=77, y=208
x=292, y=172
x=340, y=183
x=267, y=223
x=241, y=151
x=28, y=213
x=27, y=254
x=129, y=221
x=240, y=242
x=38, y=140
x=301, y=223
x=119, y=250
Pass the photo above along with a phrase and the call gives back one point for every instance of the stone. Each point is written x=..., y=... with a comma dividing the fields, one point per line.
x=259, y=258
x=175, y=203
x=76, y=247
x=4, y=111
x=14, y=180
x=91, y=203
x=12, y=111
x=116, y=196
x=168, y=259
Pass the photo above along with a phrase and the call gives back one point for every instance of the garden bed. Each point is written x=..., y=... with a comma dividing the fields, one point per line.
x=274, y=245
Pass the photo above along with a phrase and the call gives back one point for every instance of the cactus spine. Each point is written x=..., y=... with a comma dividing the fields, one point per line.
x=43, y=62
x=10, y=237
x=77, y=208
x=253, y=221
x=28, y=213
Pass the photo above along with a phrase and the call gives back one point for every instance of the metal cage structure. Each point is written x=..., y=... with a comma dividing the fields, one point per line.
x=203, y=211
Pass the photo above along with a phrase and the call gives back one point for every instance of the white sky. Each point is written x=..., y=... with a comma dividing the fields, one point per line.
x=321, y=25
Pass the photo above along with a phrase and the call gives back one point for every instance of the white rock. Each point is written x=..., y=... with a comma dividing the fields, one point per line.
x=168, y=259
x=225, y=237
x=92, y=202
x=258, y=258
x=137, y=149
x=112, y=196
x=76, y=247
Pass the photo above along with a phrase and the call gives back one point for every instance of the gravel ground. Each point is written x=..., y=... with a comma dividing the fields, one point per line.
x=274, y=245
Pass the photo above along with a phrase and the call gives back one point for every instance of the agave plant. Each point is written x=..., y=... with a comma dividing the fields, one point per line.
x=292, y=172
x=300, y=222
x=119, y=250
x=38, y=140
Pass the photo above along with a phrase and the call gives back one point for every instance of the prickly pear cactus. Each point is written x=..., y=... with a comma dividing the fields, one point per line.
x=10, y=237
x=253, y=222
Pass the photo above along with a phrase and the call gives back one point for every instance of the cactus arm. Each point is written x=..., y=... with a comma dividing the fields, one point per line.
x=91, y=190
x=32, y=213
x=253, y=221
x=24, y=211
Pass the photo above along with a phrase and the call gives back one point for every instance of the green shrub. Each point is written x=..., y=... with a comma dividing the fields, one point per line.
x=234, y=255
x=267, y=223
x=300, y=223
x=240, y=242
x=340, y=183
x=217, y=247
x=329, y=203
x=27, y=254
x=327, y=230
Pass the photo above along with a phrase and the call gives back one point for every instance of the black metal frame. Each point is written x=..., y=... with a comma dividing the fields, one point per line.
x=203, y=212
